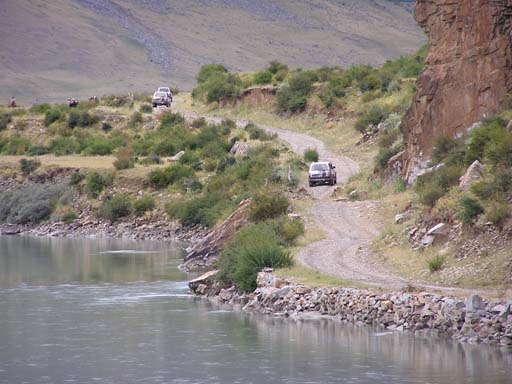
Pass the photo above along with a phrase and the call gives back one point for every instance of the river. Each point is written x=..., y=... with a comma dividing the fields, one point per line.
x=105, y=311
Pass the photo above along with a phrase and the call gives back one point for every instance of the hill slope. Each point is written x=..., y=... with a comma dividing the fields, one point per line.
x=67, y=48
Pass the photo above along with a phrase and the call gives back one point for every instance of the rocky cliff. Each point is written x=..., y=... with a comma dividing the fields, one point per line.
x=468, y=72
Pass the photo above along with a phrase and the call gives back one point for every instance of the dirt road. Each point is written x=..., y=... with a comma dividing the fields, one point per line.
x=348, y=226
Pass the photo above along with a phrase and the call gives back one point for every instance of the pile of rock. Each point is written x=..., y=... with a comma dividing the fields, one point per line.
x=473, y=320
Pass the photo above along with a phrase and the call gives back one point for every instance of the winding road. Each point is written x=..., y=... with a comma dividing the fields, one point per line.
x=349, y=227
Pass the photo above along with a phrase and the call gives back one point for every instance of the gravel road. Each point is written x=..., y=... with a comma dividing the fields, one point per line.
x=349, y=227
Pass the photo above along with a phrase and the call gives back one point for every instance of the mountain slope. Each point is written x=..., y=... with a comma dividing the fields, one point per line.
x=63, y=48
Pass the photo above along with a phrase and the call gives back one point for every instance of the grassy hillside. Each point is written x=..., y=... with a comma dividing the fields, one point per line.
x=54, y=50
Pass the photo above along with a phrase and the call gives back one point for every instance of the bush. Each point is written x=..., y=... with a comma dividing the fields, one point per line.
x=146, y=108
x=135, y=120
x=124, y=159
x=471, y=208
x=29, y=166
x=106, y=127
x=38, y=151
x=31, y=204
x=116, y=207
x=311, y=155
x=61, y=146
x=16, y=145
x=257, y=133
x=384, y=155
x=143, y=205
x=51, y=116
x=497, y=212
x=215, y=83
x=76, y=178
x=434, y=185
x=436, y=263
x=208, y=71
x=371, y=116
x=293, y=97
x=202, y=210
x=163, y=177
x=252, y=249
x=97, y=146
x=262, y=77
x=94, y=184
x=275, y=67
x=289, y=230
x=5, y=119
x=268, y=205
x=83, y=119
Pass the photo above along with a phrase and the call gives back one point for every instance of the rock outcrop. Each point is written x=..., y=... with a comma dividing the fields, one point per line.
x=467, y=76
x=204, y=253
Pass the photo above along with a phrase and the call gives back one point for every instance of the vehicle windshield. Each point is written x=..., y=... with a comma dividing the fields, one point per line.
x=159, y=94
x=162, y=89
x=319, y=167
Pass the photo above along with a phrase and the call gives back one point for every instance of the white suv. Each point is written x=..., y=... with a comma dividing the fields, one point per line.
x=322, y=172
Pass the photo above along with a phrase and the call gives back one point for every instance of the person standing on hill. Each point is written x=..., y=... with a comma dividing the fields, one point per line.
x=12, y=103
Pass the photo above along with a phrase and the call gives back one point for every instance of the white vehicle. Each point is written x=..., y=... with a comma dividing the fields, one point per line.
x=166, y=90
x=322, y=172
x=161, y=98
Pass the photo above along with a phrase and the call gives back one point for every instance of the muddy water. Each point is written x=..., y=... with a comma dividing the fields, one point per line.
x=98, y=311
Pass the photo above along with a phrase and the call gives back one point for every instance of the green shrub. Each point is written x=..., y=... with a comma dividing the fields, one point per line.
x=371, y=116
x=268, y=205
x=289, y=230
x=16, y=145
x=370, y=82
x=69, y=216
x=135, y=120
x=106, y=127
x=143, y=205
x=97, y=146
x=116, y=207
x=384, y=155
x=29, y=166
x=434, y=185
x=94, y=184
x=62, y=145
x=146, y=108
x=52, y=115
x=210, y=70
x=40, y=108
x=471, y=208
x=5, y=119
x=257, y=133
x=116, y=101
x=171, y=119
x=162, y=177
x=202, y=210
x=252, y=249
x=124, y=159
x=436, y=263
x=76, y=178
x=262, y=77
x=275, y=67
x=293, y=96
x=497, y=212
x=311, y=155
x=429, y=194
x=30, y=204
x=489, y=134
x=38, y=151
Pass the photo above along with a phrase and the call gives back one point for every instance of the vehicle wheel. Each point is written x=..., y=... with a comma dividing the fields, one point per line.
x=311, y=184
x=154, y=105
x=335, y=180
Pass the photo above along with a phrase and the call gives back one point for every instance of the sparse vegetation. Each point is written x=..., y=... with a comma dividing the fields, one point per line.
x=436, y=263
x=311, y=155
x=114, y=208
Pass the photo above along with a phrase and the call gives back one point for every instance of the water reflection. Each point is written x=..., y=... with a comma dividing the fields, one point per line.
x=134, y=327
x=46, y=260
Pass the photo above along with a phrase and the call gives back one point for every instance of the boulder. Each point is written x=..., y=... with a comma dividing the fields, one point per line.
x=401, y=218
x=240, y=149
x=177, y=156
x=440, y=229
x=205, y=280
x=472, y=174
x=474, y=303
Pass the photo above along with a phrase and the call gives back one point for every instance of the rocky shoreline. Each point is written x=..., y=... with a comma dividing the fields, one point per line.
x=473, y=320
x=145, y=228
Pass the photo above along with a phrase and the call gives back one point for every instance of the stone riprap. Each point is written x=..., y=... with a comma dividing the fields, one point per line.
x=473, y=320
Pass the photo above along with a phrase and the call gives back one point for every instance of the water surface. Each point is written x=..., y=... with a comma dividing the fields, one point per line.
x=100, y=311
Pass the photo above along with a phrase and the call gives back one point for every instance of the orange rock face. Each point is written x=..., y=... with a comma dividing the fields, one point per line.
x=467, y=75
